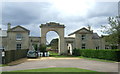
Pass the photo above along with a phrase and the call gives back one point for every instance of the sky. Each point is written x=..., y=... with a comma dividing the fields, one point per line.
x=74, y=14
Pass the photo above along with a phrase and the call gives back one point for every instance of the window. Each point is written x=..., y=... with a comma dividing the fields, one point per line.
x=18, y=46
x=83, y=46
x=18, y=36
x=83, y=37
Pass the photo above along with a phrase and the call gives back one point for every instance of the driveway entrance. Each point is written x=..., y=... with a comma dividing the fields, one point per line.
x=64, y=62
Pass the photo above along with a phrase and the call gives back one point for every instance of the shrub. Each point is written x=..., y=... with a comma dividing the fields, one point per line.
x=76, y=52
x=100, y=54
x=43, y=47
x=35, y=46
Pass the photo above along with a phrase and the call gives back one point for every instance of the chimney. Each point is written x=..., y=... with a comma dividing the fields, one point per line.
x=9, y=26
x=89, y=27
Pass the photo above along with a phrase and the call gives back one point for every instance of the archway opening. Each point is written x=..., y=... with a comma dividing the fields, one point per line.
x=70, y=47
x=52, y=42
x=59, y=29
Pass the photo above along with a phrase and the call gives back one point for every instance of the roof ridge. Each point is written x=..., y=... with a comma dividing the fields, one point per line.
x=19, y=26
x=79, y=30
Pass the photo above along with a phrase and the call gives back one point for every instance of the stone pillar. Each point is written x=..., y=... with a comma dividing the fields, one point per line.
x=62, y=50
x=66, y=47
x=43, y=36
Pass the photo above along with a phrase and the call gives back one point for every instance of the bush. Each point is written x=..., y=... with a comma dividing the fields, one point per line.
x=76, y=52
x=100, y=54
x=35, y=47
x=43, y=48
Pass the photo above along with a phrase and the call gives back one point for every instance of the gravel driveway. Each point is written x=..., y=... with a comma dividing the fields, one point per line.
x=62, y=62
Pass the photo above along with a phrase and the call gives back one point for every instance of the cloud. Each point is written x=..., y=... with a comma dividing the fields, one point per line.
x=98, y=21
x=32, y=14
x=34, y=29
x=25, y=13
x=0, y=12
x=51, y=35
x=103, y=9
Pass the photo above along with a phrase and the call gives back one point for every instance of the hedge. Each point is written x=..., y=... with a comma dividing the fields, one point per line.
x=107, y=54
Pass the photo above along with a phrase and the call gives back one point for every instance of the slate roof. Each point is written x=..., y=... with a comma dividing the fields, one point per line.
x=95, y=36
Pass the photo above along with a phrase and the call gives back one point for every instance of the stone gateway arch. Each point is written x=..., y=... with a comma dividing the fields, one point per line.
x=59, y=29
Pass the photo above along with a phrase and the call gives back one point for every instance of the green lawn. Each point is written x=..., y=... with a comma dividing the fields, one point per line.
x=53, y=54
x=102, y=60
x=55, y=70
x=2, y=65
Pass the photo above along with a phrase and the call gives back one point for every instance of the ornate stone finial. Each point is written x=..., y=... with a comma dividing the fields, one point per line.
x=9, y=25
x=89, y=27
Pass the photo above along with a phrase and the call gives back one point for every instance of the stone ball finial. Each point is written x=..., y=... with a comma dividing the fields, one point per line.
x=9, y=25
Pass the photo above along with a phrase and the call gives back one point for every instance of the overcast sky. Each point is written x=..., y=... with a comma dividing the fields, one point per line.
x=73, y=14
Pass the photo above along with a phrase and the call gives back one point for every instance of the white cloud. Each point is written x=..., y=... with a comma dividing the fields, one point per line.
x=51, y=35
x=32, y=14
x=97, y=21
x=34, y=29
x=73, y=7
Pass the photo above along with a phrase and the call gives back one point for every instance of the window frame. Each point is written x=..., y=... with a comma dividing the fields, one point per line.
x=18, y=46
x=83, y=36
x=83, y=46
x=18, y=36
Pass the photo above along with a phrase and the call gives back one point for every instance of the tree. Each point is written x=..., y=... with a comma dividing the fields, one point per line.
x=35, y=47
x=54, y=43
x=113, y=29
x=42, y=48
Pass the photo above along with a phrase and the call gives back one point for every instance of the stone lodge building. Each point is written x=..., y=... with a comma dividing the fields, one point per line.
x=17, y=38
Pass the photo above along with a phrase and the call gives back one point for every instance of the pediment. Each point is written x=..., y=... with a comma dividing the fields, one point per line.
x=82, y=31
x=18, y=28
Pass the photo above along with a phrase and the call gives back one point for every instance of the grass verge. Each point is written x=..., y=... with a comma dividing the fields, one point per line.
x=53, y=54
x=2, y=65
x=55, y=70
x=96, y=59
